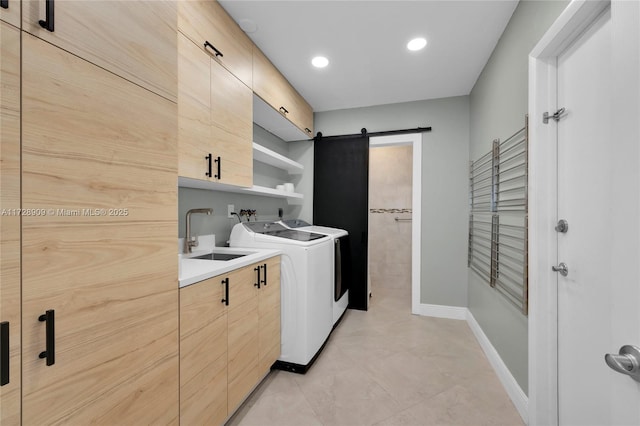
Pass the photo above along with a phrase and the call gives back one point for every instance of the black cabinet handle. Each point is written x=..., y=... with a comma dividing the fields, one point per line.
x=4, y=4
x=308, y=130
x=4, y=353
x=219, y=175
x=216, y=51
x=226, y=291
x=208, y=172
x=257, y=284
x=47, y=24
x=49, y=318
x=284, y=110
x=264, y=280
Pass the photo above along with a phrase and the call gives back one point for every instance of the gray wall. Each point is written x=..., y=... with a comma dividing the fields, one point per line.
x=498, y=103
x=218, y=223
x=445, y=156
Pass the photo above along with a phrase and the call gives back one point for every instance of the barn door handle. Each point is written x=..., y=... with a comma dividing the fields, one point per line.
x=4, y=353
x=217, y=52
x=48, y=23
x=4, y=4
x=49, y=318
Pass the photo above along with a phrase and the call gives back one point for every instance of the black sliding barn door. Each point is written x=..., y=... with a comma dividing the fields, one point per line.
x=341, y=200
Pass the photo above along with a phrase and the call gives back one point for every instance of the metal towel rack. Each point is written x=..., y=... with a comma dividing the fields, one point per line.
x=498, y=219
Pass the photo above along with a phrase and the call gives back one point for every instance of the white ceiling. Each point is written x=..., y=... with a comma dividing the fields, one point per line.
x=365, y=41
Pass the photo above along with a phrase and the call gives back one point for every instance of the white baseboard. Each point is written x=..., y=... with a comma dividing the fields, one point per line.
x=518, y=397
x=441, y=311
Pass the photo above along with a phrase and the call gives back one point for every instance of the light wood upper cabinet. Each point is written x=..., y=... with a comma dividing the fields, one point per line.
x=10, y=12
x=268, y=83
x=92, y=140
x=133, y=39
x=205, y=21
x=194, y=110
x=232, y=127
x=10, y=219
x=215, y=112
x=274, y=89
x=269, y=315
x=301, y=114
x=203, y=353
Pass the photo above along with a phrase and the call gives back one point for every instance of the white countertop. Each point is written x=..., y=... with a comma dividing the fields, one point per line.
x=192, y=271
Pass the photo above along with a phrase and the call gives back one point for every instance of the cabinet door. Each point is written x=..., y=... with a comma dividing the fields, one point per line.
x=268, y=83
x=99, y=156
x=203, y=353
x=10, y=218
x=301, y=113
x=243, y=364
x=133, y=39
x=269, y=315
x=10, y=12
x=194, y=110
x=206, y=21
x=232, y=127
x=274, y=89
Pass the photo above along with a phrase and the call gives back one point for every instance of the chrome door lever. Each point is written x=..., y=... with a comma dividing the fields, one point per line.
x=562, y=268
x=626, y=362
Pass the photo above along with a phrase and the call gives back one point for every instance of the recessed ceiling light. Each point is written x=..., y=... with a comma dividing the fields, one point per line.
x=319, y=62
x=417, y=44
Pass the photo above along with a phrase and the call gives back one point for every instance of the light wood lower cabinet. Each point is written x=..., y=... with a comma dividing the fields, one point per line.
x=99, y=158
x=225, y=350
x=269, y=315
x=243, y=360
x=10, y=222
x=203, y=353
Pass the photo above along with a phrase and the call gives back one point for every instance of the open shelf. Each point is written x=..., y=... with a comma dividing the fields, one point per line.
x=267, y=156
x=292, y=197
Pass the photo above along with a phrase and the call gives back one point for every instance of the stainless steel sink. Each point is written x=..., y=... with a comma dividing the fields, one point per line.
x=219, y=256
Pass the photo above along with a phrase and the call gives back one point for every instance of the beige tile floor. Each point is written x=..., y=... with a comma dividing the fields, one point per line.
x=387, y=367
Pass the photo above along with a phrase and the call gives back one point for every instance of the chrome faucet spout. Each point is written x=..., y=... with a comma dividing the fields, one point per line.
x=189, y=242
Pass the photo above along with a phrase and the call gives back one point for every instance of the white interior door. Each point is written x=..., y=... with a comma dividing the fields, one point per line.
x=591, y=191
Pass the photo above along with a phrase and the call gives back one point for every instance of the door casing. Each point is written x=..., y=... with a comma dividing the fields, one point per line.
x=543, y=302
x=415, y=140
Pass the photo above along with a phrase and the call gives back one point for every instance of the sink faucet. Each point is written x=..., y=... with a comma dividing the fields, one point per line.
x=188, y=242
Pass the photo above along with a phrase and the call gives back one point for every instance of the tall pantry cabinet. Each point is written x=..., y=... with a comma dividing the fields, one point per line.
x=98, y=176
x=9, y=220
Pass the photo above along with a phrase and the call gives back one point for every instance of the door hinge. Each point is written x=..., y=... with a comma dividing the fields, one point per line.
x=555, y=116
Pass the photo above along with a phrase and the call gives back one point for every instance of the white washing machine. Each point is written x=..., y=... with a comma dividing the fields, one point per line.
x=306, y=282
x=341, y=266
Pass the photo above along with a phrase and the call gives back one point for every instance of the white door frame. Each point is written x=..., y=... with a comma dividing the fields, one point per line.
x=543, y=302
x=415, y=140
